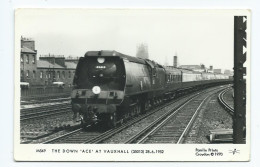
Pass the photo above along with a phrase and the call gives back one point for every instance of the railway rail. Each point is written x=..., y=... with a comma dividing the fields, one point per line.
x=47, y=100
x=40, y=112
x=221, y=100
x=42, y=108
x=82, y=136
x=174, y=125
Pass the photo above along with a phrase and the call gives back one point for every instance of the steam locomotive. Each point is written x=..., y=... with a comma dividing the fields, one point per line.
x=111, y=87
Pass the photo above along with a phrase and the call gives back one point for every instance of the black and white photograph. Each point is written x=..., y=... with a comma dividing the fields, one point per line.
x=132, y=85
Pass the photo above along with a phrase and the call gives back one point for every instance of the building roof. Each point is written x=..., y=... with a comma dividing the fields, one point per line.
x=190, y=66
x=70, y=65
x=27, y=50
x=46, y=64
x=172, y=70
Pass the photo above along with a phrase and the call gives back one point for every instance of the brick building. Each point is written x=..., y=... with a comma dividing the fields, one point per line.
x=217, y=71
x=52, y=68
x=46, y=70
x=28, y=66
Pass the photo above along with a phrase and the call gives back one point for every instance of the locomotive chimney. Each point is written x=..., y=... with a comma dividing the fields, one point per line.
x=175, y=61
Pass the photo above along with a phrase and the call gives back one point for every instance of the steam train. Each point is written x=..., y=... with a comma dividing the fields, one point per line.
x=111, y=87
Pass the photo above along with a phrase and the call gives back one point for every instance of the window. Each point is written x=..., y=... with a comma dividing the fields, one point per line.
x=27, y=73
x=34, y=74
x=63, y=74
x=69, y=74
x=154, y=72
x=21, y=73
x=49, y=74
x=46, y=75
x=33, y=59
x=21, y=58
x=41, y=74
x=58, y=74
x=27, y=59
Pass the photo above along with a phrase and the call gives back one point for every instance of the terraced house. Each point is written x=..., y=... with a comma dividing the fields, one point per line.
x=47, y=69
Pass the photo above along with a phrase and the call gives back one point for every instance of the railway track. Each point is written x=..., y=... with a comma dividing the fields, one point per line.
x=81, y=136
x=77, y=136
x=221, y=100
x=40, y=101
x=175, y=124
x=42, y=108
x=41, y=112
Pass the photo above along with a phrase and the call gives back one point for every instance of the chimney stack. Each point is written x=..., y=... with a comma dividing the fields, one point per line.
x=175, y=61
x=211, y=67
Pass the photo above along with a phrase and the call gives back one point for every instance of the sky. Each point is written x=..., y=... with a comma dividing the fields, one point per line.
x=197, y=37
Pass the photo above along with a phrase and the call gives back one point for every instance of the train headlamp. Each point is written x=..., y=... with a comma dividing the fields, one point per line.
x=96, y=90
x=101, y=60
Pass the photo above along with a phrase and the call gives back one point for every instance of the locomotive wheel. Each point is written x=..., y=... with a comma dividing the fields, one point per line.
x=156, y=102
x=112, y=120
x=145, y=107
x=127, y=116
x=121, y=121
x=135, y=110
x=138, y=108
x=132, y=111
x=83, y=125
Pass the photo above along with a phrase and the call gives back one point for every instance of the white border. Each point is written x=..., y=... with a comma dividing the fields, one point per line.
x=7, y=50
x=172, y=152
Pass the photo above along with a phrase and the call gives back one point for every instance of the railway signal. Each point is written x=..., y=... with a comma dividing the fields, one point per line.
x=240, y=43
